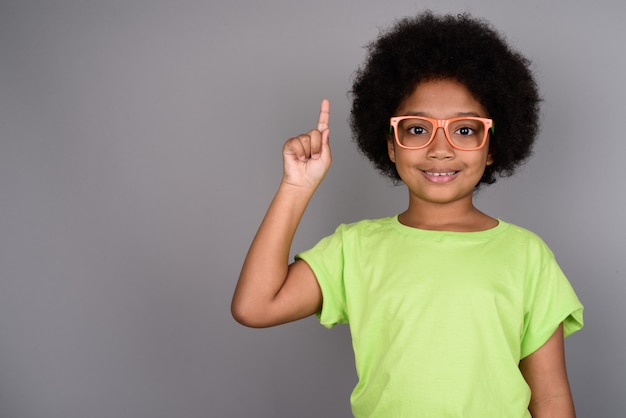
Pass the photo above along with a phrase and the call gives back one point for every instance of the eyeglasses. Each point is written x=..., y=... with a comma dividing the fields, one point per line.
x=466, y=133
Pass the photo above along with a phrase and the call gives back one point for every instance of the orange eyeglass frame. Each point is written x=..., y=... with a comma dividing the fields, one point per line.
x=441, y=123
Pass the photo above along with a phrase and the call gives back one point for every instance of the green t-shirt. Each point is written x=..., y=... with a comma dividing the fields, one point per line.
x=440, y=320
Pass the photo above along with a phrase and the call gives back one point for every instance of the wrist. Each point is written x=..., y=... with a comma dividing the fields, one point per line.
x=296, y=190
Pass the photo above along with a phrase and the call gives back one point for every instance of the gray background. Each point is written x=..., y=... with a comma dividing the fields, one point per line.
x=140, y=146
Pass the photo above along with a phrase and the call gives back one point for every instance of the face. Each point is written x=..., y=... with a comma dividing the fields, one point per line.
x=440, y=173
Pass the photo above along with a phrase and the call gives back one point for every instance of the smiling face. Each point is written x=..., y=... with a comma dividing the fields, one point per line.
x=440, y=173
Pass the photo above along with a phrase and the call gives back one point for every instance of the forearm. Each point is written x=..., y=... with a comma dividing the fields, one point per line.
x=554, y=407
x=266, y=265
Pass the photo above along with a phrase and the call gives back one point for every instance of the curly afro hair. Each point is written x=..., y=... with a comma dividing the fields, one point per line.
x=458, y=47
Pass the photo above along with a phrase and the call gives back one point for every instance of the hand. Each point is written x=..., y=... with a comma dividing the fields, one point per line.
x=306, y=158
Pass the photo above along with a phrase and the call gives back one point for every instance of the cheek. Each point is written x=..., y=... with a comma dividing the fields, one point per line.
x=482, y=158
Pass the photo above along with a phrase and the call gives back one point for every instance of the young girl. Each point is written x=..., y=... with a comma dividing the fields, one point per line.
x=452, y=312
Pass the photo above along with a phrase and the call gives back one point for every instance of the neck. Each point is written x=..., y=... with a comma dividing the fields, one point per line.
x=460, y=216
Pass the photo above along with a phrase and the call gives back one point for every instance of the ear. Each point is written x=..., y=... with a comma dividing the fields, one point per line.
x=391, y=148
x=490, y=158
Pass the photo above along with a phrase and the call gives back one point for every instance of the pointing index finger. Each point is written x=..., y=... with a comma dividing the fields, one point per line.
x=324, y=118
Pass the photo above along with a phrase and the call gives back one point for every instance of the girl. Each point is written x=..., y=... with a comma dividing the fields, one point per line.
x=452, y=312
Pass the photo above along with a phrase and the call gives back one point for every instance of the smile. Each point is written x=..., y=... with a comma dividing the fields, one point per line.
x=450, y=173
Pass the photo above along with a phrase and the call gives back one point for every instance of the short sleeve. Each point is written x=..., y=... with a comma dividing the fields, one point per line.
x=326, y=259
x=550, y=300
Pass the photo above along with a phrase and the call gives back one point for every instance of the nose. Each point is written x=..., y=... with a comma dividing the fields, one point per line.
x=440, y=148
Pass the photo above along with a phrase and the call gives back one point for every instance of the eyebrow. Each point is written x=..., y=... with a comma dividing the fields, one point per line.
x=457, y=115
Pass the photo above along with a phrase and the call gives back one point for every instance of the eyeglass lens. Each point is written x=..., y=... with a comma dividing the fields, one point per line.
x=464, y=133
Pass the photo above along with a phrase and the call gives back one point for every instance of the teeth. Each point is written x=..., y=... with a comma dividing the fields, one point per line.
x=451, y=173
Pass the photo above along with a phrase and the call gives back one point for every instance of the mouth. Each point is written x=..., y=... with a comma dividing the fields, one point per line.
x=440, y=176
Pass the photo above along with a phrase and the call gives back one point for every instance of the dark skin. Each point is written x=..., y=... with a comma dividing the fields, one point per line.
x=440, y=181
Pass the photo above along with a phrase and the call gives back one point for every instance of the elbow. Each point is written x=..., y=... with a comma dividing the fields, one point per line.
x=246, y=316
x=239, y=313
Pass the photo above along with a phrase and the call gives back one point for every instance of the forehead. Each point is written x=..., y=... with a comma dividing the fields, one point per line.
x=441, y=99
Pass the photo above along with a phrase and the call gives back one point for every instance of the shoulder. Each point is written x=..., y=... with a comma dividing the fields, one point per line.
x=367, y=227
x=518, y=233
x=525, y=243
x=360, y=233
x=350, y=234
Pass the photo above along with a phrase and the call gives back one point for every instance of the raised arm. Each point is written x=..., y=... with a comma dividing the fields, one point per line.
x=270, y=291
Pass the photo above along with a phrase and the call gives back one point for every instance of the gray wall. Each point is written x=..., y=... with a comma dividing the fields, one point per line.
x=140, y=146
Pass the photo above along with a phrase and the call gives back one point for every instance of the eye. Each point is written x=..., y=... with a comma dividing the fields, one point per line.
x=417, y=130
x=464, y=131
x=416, y=127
